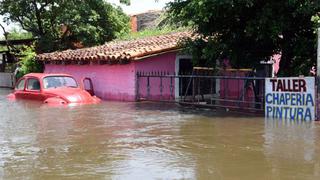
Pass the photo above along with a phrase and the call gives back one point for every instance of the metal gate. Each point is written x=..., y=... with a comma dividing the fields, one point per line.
x=202, y=90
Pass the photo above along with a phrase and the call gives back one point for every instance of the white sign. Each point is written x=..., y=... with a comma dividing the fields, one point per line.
x=290, y=98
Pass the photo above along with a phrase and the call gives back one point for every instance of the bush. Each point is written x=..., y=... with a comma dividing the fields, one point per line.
x=28, y=62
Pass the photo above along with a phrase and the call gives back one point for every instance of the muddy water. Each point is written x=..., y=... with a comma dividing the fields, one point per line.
x=151, y=141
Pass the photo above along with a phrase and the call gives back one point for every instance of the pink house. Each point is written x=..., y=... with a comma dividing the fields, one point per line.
x=112, y=67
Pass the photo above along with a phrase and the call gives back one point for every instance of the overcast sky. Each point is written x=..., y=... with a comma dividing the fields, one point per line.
x=137, y=6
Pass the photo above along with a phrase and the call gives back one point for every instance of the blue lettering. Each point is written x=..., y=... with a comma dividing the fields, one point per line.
x=308, y=115
x=287, y=98
x=298, y=100
x=286, y=112
x=282, y=100
x=269, y=110
x=309, y=100
x=278, y=112
x=293, y=99
x=269, y=101
x=299, y=113
x=276, y=98
x=292, y=113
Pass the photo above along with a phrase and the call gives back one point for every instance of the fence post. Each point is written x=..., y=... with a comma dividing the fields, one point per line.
x=137, y=86
x=171, y=87
x=161, y=87
x=148, y=87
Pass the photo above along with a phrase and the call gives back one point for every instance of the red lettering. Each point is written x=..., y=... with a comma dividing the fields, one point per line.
x=295, y=83
x=273, y=84
x=289, y=85
x=302, y=85
x=279, y=86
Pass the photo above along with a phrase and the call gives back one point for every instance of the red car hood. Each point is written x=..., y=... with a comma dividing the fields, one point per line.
x=71, y=95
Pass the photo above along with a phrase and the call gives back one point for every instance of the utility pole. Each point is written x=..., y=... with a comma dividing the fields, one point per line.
x=318, y=55
x=318, y=78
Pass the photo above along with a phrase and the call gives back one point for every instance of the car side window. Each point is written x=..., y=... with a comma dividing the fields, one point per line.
x=33, y=84
x=20, y=85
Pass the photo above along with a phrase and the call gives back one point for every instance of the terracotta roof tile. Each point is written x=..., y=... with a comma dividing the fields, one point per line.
x=120, y=50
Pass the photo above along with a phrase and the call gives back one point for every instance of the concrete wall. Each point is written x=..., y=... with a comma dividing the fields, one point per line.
x=145, y=20
x=6, y=80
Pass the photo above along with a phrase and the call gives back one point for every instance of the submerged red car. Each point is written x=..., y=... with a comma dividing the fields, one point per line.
x=52, y=89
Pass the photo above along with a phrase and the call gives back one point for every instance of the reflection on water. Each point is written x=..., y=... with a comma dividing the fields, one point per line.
x=150, y=141
x=290, y=144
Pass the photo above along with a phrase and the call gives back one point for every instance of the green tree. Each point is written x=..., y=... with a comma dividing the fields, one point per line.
x=13, y=35
x=28, y=62
x=248, y=31
x=16, y=34
x=60, y=23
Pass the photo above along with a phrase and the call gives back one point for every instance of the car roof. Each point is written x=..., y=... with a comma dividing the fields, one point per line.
x=43, y=75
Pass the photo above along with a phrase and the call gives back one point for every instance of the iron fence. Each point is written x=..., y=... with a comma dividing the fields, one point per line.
x=233, y=92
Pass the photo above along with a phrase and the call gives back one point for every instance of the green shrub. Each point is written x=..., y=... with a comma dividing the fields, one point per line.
x=28, y=62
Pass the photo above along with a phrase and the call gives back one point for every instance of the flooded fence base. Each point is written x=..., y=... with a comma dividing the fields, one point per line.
x=287, y=96
x=232, y=93
x=245, y=93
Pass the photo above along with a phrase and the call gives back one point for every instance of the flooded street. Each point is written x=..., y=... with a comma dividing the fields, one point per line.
x=115, y=140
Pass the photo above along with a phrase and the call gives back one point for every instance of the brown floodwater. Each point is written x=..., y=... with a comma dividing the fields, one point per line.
x=116, y=140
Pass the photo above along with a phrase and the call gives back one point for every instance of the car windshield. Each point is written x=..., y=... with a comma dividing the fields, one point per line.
x=59, y=81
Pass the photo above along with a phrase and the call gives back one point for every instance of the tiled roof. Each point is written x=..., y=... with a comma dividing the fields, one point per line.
x=120, y=51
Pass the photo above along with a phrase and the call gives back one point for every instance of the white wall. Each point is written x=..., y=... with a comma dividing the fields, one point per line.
x=6, y=80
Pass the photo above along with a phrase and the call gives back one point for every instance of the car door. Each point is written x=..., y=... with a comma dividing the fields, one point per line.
x=33, y=89
x=19, y=89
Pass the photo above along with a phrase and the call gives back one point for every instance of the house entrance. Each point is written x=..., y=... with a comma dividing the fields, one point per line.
x=185, y=68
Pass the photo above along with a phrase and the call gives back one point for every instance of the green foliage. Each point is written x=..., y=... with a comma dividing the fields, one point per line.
x=316, y=19
x=15, y=34
x=60, y=23
x=127, y=2
x=28, y=62
x=249, y=31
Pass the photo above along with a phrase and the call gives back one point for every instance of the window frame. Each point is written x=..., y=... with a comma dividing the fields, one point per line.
x=44, y=86
x=27, y=84
x=24, y=85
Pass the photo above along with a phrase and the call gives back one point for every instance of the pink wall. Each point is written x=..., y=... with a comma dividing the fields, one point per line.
x=118, y=82
x=233, y=89
x=162, y=63
x=111, y=82
x=276, y=58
